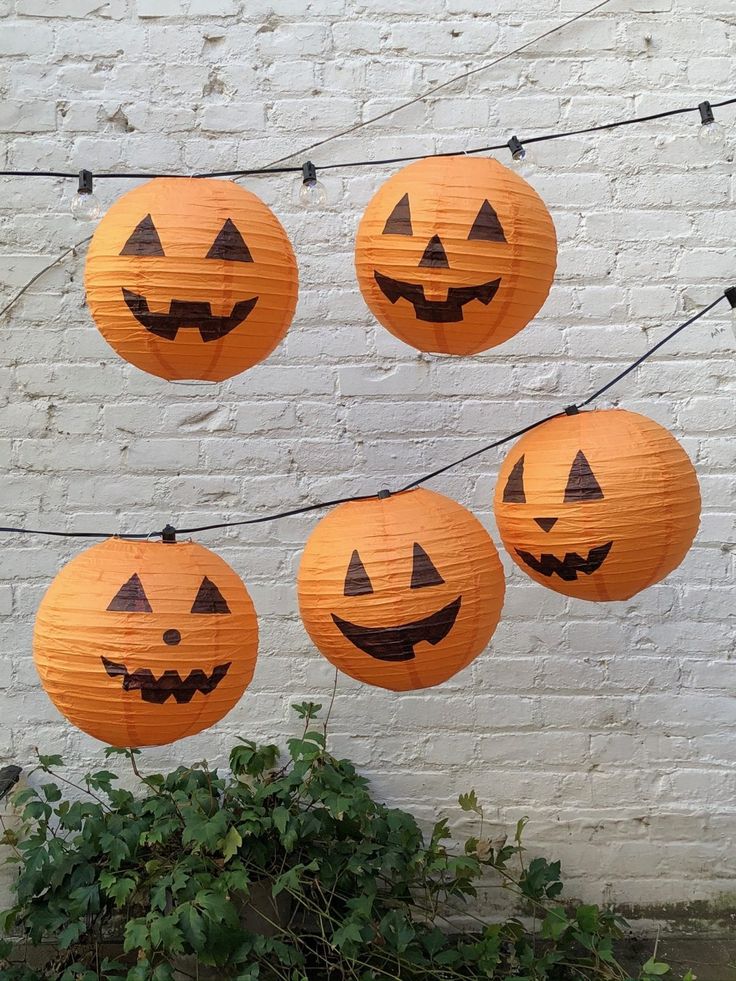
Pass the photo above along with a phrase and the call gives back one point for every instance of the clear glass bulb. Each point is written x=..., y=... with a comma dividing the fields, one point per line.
x=712, y=135
x=85, y=207
x=733, y=322
x=523, y=162
x=312, y=194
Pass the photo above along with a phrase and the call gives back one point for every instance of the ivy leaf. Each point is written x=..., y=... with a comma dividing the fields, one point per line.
x=166, y=934
x=655, y=968
x=280, y=818
x=469, y=802
x=191, y=924
x=118, y=888
x=71, y=934
x=350, y=932
x=555, y=923
x=136, y=936
x=587, y=917
x=307, y=710
x=231, y=844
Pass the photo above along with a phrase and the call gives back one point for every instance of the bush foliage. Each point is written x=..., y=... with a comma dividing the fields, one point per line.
x=338, y=885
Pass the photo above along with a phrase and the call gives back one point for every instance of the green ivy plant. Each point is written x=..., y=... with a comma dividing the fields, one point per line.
x=277, y=871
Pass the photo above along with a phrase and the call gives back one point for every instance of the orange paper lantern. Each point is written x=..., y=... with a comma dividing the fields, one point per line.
x=191, y=278
x=455, y=254
x=143, y=643
x=401, y=591
x=598, y=505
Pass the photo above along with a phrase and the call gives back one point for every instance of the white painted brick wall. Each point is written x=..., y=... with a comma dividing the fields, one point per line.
x=611, y=726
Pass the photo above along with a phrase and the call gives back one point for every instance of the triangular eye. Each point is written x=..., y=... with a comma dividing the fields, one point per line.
x=423, y=572
x=144, y=240
x=487, y=227
x=357, y=582
x=399, y=221
x=513, y=492
x=130, y=598
x=581, y=484
x=229, y=244
x=209, y=599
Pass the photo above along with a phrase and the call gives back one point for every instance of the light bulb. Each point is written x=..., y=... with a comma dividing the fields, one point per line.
x=311, y=192
x=523, y=161
x=525, y=164
x=712, y=134
x=733, y=322
x=85, y=206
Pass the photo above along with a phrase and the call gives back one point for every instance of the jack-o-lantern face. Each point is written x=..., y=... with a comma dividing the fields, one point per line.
x=598, y=505
x=191, y=278
x=143, y=643
x=455, y=254
x=400, y=592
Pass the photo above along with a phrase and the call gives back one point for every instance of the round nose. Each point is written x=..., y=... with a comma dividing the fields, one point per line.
x=172, y=637
x=546, y=524
x=434, y=254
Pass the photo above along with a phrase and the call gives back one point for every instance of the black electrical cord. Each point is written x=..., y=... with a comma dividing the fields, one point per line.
x=572, y=409
x=169, y=533
x=252, y=172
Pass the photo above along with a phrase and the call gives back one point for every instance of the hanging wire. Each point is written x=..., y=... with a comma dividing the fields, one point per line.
x=351, y=164
x=169, y=533
x=273, y=169
x=572, y=409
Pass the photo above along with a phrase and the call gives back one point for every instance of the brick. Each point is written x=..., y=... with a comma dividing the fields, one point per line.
x=25, y=39
x=26, y=117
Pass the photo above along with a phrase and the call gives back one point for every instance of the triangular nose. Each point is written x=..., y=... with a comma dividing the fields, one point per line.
x=434, y=254
x=546, y=524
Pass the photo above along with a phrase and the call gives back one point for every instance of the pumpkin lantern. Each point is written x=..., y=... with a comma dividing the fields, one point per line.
x=455, y=254
x=598, y=505
x=400, y=591
x=143, y=643
x=191, y=278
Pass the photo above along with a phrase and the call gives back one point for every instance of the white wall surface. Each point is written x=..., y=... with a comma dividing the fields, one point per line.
x=611, y=726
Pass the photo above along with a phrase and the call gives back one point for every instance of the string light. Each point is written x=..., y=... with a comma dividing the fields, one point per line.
x=85, y=205
x=311, y=192
x=169, y=532
x=711, y=133
x=520, y=155
x=309, y=171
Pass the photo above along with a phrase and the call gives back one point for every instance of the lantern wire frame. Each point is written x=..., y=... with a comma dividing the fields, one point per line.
x=169, y=532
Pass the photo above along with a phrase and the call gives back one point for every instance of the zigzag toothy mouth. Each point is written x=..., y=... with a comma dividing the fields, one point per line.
x=569, y=567
x=449, y=311
x=184, y=314
x=169, y=685
x=397, y=643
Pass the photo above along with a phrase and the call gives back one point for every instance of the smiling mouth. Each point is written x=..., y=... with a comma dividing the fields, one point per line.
x=569, y=567
x=169, y=685
x=449, y=311
x=187, y=314
x=397, y=643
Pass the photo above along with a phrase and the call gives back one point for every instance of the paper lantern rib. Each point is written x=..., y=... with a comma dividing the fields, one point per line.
x=191, y=279
x=429, y=593
x=143, y=643
x=606, y=505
